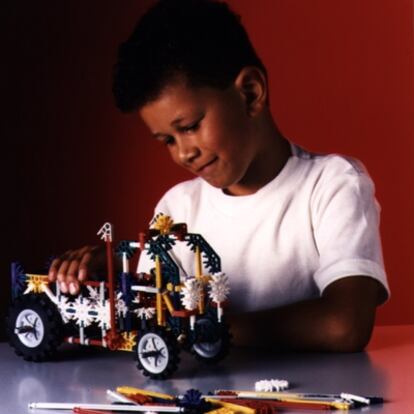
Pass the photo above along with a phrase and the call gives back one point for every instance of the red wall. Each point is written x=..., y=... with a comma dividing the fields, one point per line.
x=341, y=80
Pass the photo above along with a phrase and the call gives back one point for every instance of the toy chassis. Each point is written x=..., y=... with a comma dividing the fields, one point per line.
x=153, y=315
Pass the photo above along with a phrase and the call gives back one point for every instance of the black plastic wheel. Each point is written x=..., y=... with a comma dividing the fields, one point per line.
x=157, y=352
x=212, y=339
x=34, y=327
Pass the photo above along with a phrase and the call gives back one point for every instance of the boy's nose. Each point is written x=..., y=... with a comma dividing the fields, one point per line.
x=188, y=153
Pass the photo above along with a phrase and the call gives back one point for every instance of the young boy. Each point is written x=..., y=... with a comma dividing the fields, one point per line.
x=297, y=232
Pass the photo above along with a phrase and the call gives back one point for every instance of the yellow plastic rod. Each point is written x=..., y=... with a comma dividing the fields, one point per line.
x=126, y=390
x=199, y=276
x=237, y=409
x=158, y=284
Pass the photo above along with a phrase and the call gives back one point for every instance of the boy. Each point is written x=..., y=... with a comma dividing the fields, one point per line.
x=297, y=232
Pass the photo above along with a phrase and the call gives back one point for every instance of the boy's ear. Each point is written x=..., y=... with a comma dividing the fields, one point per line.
x=252, y=85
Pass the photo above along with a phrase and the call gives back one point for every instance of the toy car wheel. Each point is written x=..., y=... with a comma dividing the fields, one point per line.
x=34, y=327
x=212, y=339
x=157, y=353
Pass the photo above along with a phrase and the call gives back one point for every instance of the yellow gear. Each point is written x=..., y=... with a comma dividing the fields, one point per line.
x=163, y=223
x=128, y=341
x=35, y=283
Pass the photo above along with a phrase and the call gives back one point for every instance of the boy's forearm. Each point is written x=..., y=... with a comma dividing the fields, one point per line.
x=302, y=326
x=340, y=321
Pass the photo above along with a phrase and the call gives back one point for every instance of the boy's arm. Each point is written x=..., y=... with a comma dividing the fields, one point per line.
x=340, y=321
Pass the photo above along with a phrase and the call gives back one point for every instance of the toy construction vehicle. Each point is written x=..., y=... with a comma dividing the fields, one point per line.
x=153, y=315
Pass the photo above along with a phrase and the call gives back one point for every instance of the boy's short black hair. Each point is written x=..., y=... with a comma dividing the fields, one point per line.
x=200, y=39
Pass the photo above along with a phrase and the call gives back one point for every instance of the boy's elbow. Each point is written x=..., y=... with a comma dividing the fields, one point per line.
x=345, y=334
x=350, y=307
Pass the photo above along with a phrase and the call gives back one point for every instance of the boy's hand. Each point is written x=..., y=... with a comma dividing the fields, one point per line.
x=76, y=266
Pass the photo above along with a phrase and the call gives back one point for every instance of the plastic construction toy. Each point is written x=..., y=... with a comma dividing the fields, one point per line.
x=153, y=315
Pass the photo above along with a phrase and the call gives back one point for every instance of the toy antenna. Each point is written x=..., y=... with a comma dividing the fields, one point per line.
x=106, y=234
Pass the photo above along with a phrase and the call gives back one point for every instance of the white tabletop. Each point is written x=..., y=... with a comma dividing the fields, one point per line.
x=84, y=374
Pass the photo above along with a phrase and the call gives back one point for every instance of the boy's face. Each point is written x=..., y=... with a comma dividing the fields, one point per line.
x=207, y=131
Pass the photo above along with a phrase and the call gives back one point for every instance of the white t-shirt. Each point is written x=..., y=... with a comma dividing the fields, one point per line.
x=316, y=222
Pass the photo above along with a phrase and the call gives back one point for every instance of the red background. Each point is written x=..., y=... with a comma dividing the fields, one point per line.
x=341, y=80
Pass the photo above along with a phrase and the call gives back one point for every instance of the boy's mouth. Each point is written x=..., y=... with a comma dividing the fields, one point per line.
x=204, y=169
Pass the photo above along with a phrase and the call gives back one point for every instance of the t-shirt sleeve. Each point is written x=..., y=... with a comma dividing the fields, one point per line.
x=345, y=216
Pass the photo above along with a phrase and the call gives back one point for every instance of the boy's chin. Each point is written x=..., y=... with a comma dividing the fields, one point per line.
x=223, y=183
x=224, y=188
x=214, y=183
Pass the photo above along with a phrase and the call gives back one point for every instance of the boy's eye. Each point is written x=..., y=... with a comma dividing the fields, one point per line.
x=169, y=140
x=190, y=128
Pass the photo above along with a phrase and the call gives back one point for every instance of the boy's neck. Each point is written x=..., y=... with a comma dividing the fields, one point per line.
x=271, y=157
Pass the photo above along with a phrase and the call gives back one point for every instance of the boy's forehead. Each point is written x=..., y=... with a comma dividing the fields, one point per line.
x=177, y=102
x=172, y=101
x=184, y=94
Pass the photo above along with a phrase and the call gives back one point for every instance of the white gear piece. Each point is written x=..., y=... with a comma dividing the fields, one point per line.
x=191, y=294
x=121, y=307
x=65, y=308
x=93, y=294
x=219, y=287
x=272, y=385
x=103, y=314
x=145, y=313
x=84, y=311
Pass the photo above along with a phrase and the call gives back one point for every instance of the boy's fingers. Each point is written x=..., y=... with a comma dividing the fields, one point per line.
x=53, y=269
x=61, y=276
x=67, y=255
x=72, y=277
x=83, y=266
x=73, y=267
x=71, y=273
x=73, y=288
x=72, y=284
x=61, y=273
x=63, y=287
x=85, y=249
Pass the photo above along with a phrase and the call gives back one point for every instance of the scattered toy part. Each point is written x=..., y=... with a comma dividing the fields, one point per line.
x=231, y=405
x=115, y=396
x=271, y=385
x=80, y=410
x=267, y=406
x=194, y=402
x=221, y=410
x=104, y=407
x=228, y=402
x=132, y=391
